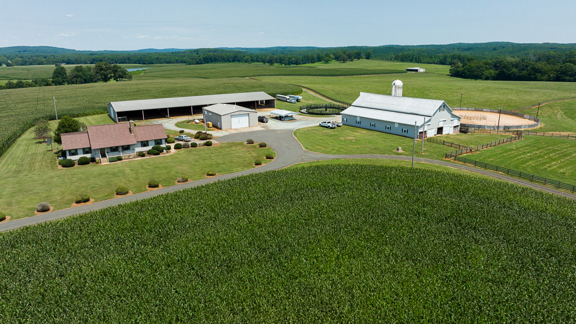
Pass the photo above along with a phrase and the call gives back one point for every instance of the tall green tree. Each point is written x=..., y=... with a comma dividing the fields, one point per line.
x=42, y=130
x=59, y=76
x=120, y=73
x=103, y=71
x=66, y=125
x=368, y=54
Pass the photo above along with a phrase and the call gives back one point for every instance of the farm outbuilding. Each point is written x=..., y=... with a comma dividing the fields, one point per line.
x=184, y=106
x=415, y=69
x=225, y=116
x=399, y=115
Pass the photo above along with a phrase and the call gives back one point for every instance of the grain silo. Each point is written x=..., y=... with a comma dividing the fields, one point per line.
x=397, y=88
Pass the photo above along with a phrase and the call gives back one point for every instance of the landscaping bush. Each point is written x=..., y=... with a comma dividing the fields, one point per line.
x=170, y=140
x=249, y=141
x=209, y=136
x=186, y=145
x=198, y=134
x=153, y=184
x=168, y=148
x=181, y=131
x=262, y=144
x=141, y=154
x=153, y=152
x=210, y=173
x=82, y=199
x=178, y=146
x=193, y=144
x=122, y=191
x=258, y=162
x=208, y=143
x=269, y=156
x=119, y=158
x=182, y=179
x=2, y=216
x=93, y=159
x=43, y=207
x=67, y=163
x=158, y=148
x=112, y=159
x=203, y=137
x=83, y=160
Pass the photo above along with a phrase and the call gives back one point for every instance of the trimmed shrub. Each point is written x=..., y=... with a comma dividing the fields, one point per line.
x=2, y=216
x=170, y=140
x=153, y=184
x=120, y=191
x=168, y=148
x=43, y=207
x=141, y=154
x=203, y=137
x=209, y=136
x=158, y=148
x=210, y=173
x=269, y=156
x=153, y=152
x=67, y=163
x=119, y=158
x=193, y=144
x=208, y=143
x=82, y=199
x=182, y=179
x=186, y=145
x=249, y=141
x=258, y=162
x=112, y=159
x=83, y=160
x=198, y=134
x=262, y=144
x=168, y=136
x=178, y=146
x=181, y=131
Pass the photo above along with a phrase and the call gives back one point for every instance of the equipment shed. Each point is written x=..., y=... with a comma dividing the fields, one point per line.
x=225, y=116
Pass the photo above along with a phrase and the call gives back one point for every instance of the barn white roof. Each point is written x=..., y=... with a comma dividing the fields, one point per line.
x=224, y=109
x=406, y=105
x=282, y=112
x=147, y=104
x=394, y=117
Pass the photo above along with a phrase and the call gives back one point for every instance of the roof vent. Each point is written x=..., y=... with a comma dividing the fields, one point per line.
x=397, y=88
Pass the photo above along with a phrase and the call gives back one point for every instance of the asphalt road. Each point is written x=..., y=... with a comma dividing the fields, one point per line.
x=289, y=152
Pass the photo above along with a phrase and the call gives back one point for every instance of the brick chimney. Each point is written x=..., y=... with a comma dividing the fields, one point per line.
x=131, y=127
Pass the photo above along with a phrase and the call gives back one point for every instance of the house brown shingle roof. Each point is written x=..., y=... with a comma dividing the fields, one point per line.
x=149, y=132
x=72, y=141
x=102, y=136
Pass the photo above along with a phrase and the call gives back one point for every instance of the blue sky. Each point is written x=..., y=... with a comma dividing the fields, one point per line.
x=128, y=24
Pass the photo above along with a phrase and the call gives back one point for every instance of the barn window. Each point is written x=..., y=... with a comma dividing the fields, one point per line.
x=404, y=130
x=395, y=124
x=388, y=127
x=345, y=119
x=372, y=124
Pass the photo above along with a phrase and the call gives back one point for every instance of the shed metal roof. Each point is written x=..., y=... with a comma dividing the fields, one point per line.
x=225, y=109
x=423, y=107
x=120, y=106
x=282, y=112
x=390, y=116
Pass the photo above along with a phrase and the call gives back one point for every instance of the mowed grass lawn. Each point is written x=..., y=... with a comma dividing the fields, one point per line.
x=473, y=139
x=30, y=174
x=549, y=157
x=353, y=140
x=555, y=117
x=479, y=94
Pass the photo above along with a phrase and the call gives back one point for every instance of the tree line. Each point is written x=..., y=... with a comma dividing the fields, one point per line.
x=102, y=72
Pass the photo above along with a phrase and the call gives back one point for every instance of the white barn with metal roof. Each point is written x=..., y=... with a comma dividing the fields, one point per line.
x=182, y=106
x=401, y=115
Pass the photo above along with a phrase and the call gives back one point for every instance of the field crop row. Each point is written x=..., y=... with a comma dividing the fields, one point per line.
x=384, y=244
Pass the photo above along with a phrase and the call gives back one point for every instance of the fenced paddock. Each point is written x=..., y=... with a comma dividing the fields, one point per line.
x=322, y=109
x=488, y=119
x=469, y=149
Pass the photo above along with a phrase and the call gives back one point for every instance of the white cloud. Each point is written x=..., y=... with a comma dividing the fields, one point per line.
x=142, y=36
x=261, y=33
x=67, y=34
x=70, y=16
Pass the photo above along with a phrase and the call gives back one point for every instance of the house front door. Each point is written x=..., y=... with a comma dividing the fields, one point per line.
x=102, y=153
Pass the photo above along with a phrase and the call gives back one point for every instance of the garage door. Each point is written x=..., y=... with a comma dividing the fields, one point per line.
x=239, y=121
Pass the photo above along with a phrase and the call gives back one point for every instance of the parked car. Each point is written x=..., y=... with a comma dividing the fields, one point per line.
x=184, y=138
x=337, y=123
x=328, y=124
x=262, y=119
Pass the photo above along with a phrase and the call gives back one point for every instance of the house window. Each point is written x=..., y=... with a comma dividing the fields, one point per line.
x=86, y=151
x=73, y=152
x=150, y=143
x=388, y=127
x=158, y=142
x=114, y=149
x=126, y=148
x=404, y=130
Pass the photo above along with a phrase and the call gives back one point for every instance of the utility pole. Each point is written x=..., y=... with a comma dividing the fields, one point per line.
x=461, y=100
x=205, y=122
x=500, y=114
x=414, y=145
x=56, y=111
x=423, y=134
x=538, y=111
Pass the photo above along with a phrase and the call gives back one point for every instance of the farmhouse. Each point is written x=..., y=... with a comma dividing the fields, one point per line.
x=184, y=106
x=401, y=115
x=105, y=141
x=225, y=116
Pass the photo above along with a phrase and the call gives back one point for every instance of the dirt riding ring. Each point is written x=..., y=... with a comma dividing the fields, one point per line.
x=488, y=119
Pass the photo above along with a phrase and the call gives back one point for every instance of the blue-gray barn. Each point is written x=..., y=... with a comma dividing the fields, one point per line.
x=401, y=115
